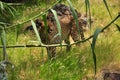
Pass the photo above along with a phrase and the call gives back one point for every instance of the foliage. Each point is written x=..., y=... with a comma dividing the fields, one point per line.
x=67, y=65
x=6, y=11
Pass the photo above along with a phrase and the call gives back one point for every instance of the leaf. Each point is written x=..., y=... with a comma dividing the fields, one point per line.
x=45, y=24
x=74, y=15
x=107, y=8
x=36, y=32
x=46, y=29
x=11, y=12
x=17, y=31
x=58, y=27
x=12, y=8
x=3, y=41
x=45, y=21
x=97, y=31
x=4, y=7
x=57, y=23
x=1, y=6
x=87, y=3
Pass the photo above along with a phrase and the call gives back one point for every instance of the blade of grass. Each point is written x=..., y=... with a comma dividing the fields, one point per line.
x=3, y=41
x=97, y=31
x=17, y=31
x=36, y=32
x=74, y=15
x=45, y=23
x=86, y=6
x=12, y=9
x=2, y=23
x=11, y=12
x=87, y=3
x=58, y=27
x=1, y=6
x=105, y=2
x=57, y=22
x=46, y=29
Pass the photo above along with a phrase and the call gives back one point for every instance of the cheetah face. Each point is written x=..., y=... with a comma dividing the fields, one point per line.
x=46, y=33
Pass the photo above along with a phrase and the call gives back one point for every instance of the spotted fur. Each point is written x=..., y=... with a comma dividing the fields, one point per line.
x=68, y=27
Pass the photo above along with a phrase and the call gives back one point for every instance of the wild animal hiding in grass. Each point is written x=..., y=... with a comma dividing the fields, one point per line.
x=68, y=28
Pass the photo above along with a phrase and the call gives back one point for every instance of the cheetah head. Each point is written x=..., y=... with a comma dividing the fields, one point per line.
x=46, y=32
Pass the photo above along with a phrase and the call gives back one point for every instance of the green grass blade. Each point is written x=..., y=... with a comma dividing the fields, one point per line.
x=12, y=9
x=45, y=23
x=6, y=7
x=57, y=22
x=18, y=29
x=105, y=2
x=1, y=6
x=97, y=31
x=58, y=27
x=36, y=32
x=74, y=15
x=87, y=3
x=3, y=41
x=11, y=12
x=46, y=29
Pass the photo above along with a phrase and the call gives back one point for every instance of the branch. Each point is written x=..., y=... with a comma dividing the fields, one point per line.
x=59, y=45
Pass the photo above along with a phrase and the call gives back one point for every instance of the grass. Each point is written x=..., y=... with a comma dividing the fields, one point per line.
x=32, y=63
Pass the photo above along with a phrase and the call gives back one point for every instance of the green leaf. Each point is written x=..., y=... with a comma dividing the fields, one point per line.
x=46, y=29
x=57, y=23
x=36, y=32
x=1, y=6
x=17, y=31
x=74, y=15
x=11, y=12
x=107, y=8
x=58, y=27
x=45, y=23
x=3, y=41
x=97, y=31
x=87, y=3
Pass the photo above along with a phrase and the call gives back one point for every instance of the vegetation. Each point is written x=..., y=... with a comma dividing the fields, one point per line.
x=32, y=63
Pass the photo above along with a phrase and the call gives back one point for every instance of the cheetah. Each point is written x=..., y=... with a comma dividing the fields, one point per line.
x=68, y=28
